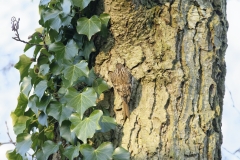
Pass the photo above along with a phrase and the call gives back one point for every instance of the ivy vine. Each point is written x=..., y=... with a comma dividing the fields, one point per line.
x=55, y=114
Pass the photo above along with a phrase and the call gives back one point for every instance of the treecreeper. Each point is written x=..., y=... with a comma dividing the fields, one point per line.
x=121, y=80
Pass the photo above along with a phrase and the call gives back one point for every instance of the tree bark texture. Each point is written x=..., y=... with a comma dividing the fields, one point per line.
x=175, y=51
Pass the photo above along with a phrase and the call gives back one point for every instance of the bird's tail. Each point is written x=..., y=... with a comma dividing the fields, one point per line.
x=125, y=110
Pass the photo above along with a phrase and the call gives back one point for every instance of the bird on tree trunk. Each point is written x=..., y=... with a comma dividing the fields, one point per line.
x=121, y=80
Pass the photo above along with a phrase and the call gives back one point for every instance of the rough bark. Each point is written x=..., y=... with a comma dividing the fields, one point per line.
x=175, y=51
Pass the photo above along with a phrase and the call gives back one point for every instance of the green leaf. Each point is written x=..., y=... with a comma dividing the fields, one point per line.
x=32, y=103
x=34, y=76
x=86, y=128
x=59, y=111
x=36, y=51
x=88, y=27
x=104, y=151
x=80, y=102
x=42, y=59
x=23, y=65
x=24, y=143
x=81, y=3
x=66, y=133
x=43, y=103
x=35, y=39
x=72, y=73
x=121, y=154
x=104, y=17
x=55, y=68
x=88, y=49
x=41, y=156
x=26, y=86
x=71, y=152
x=58, y=48
x=91, y=77
x=52, y=16
x=37, y=140
x=13, y=155
x=40, y=89
x=44, y=69
x=71, y=49
x=55, y=36
x=49, y=148
x=66, y=7
x=107, y=123
x=22, y=104
x=19, y=123
x=100, y=86
x=42, y=119
x=68, y=51
x=49, y=131
x=79, y=39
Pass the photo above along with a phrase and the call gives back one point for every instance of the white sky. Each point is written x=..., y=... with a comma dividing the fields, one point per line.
x=10, y=51
x=28, y=12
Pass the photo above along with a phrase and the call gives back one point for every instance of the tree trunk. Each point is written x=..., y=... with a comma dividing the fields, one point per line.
x=175, y=53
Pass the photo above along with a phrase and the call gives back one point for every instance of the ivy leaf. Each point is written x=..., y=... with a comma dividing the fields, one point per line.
x=80, y=102
x=72, y=73
x=59, y=49
x=40, y=89
x=32, y=103
x=22, y=104
x=88, y=49
x=52, y=16
x=49, y=148
x=104, y=17
x=68, y=51
x=100, y=86
x=66, y=133
x=35, y=39
x=37, y=139
x=107, y=123
x=13, y=155
x=41, y=156
x=19, y=123
x=121, y=154
x=23, y=65
x=24, y=143
x=71, y=152
x=43, y=103
x=49, y=131
x=104, y=151
x=59, y=111
x=66, y=4
x=55, y=68
x=42, y=119
x=44, y=69
x=88, y=27
x=81, y=3
x=71, y=49
x=86, y=128
x=91, y=77
x=26, y=86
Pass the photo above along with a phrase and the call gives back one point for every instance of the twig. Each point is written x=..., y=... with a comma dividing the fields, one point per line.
x=11, y=141
x=15, y=27
x=232, y=99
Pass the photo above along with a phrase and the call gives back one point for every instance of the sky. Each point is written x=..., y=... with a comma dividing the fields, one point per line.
x=10, y=51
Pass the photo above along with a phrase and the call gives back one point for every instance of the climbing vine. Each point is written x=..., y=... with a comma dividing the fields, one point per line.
x=56, y=115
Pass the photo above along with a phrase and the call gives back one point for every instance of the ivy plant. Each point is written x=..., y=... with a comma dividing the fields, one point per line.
x=56, y=113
